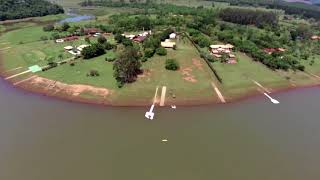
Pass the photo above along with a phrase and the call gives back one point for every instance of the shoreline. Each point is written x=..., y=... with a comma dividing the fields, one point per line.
x=64, y=96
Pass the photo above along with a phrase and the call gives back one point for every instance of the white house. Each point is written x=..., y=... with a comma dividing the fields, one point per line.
x=172, y=35
x=80, y=48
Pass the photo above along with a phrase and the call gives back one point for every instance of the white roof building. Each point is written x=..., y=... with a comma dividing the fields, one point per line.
x=68, y=48
x=80, y=48
x=168, y=44
x=173, y=35
x=221, y=46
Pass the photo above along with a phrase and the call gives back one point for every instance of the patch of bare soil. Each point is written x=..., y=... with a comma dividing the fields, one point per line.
x=146, y=73
x=198, y=64
x=187, y=75
x=73, y=90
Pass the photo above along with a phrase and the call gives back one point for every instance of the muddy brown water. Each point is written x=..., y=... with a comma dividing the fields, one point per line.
x=47, y=139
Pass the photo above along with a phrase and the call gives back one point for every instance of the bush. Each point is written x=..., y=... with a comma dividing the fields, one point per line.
x=49, y=27
x=65, y=26
x=53, y=64
x=172, y=64
x=102, y=39
x=119, y=38
x=161, y=51
x=144, y=59
x=148, y=53
x=55, y=36
x=108, y=46
x=127, y=42
x=94, y=73
x=110, y=59
x=93, y=51
x=43, y=38
x=301, y=67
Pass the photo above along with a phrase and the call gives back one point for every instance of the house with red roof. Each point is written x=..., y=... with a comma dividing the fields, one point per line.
x=272, y=50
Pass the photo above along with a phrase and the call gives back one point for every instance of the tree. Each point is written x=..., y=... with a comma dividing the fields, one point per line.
x=14, y=9
x=93, y=51
x=127, y=42
x=65, y=26
x=224, y=57
x=102, y=39
x=172, y=64
x=55, y=36
x=127, y=66
x=119, y=38
x=48, y=27
x=161, y=51
x=87, y=39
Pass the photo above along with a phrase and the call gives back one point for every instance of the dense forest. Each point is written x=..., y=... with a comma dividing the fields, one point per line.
x=305, y=10
x=259, y=18
x=17, y=9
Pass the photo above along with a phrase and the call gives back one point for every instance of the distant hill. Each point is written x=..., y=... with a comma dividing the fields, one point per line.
x=305, y=1
x=17, y=9
x=301, y=1
x=293, y=8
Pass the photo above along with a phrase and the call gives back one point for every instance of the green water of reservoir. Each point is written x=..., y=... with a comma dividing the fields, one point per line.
x=47, y=139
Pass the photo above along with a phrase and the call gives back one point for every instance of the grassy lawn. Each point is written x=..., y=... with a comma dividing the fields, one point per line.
x=159, y=76
x=237, y=78
x=24, y=35
x=315, y=68
x=155, y=75
x=27, y=49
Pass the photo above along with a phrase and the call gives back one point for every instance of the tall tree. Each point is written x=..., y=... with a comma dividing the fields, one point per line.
x=127, y=67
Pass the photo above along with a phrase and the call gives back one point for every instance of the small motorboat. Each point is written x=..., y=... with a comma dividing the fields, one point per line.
x=173, y=107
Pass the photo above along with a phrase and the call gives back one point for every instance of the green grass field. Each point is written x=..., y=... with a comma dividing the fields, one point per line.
x=237, y=78
x=155, y=75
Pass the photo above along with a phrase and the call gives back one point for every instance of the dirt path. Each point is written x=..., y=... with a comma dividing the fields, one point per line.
x=222, y=99
x=155, y=96
x=6, y=48
x=163, y=95
x=314, y=76
x=13, y=69
x=258, y=84
x=16, y=75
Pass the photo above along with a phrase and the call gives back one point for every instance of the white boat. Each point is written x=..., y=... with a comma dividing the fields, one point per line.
x=173, y=107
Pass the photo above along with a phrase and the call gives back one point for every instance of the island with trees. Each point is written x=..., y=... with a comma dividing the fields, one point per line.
x=202, y=52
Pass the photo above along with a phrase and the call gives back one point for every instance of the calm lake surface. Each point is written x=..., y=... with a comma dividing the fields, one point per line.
x=47, y=139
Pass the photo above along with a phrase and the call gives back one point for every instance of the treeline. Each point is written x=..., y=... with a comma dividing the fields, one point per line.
x=306, y=10
x=260, y=18
x=149, y=7
x=17, y=9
